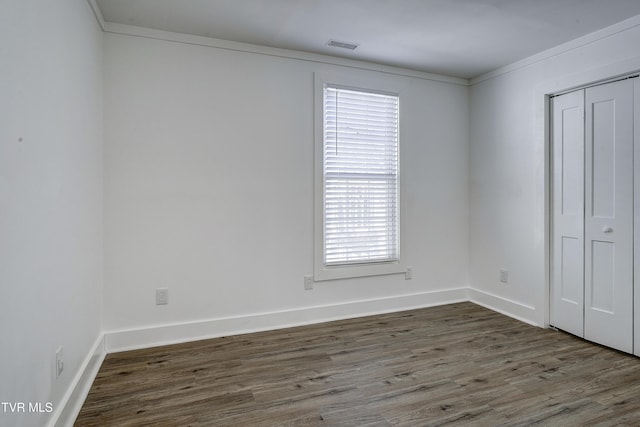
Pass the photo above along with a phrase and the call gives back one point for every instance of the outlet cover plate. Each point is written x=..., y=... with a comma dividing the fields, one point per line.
x=504, y=276
x=408, y=274
x=308, y=283
x=59, y=362
x=162, y=296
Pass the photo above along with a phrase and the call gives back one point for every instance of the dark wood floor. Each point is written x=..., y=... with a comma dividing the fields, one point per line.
x=457, y=365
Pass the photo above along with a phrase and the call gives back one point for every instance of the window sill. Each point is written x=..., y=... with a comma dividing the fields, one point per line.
x=357, y=270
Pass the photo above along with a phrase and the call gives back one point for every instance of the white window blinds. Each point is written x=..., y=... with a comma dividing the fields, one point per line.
x=360, y=172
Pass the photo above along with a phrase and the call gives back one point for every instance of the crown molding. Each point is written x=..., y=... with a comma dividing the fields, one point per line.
x=586, y=40
x=97, y=13
x=131, y=30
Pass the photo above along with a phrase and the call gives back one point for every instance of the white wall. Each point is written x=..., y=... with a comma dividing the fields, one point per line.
x=209, y=187
x=50, y=199
x=507, y=151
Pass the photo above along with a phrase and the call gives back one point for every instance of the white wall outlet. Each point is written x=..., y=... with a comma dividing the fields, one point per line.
x=504, y=276
x=408, y=274
x=162, y=296
x=308, y=283
x=59, y=362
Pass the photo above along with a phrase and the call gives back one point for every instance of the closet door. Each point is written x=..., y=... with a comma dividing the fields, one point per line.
x=567, y=285
x=608, y=272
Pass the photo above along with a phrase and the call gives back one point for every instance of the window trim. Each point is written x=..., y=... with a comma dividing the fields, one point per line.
x=321, y=271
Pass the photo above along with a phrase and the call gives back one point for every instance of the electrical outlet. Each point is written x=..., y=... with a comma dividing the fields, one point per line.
x=308, y=283
x=408, y=274
x=59, y=362
x=504, y=276
x=162, y=296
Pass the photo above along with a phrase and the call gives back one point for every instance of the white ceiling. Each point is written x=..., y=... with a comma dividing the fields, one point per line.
x=461, y=38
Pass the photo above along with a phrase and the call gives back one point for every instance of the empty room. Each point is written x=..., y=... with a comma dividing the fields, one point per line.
x=319, y=212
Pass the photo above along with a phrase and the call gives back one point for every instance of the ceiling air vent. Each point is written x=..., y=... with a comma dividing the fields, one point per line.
x=343, y=45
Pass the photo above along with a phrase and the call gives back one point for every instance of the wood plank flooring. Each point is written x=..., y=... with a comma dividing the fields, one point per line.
x=458, y=364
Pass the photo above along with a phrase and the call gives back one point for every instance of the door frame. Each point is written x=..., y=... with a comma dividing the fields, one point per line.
x=542, y=135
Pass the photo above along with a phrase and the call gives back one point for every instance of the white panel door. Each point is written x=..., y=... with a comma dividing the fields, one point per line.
x=567, y=284
x=608, y=273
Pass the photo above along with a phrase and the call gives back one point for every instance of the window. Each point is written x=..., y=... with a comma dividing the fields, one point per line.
x=360, y=222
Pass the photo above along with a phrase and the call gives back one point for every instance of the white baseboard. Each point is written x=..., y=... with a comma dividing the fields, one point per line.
x=182, y=332
x=131, y=339
x=516, y=310
x=69, y=407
